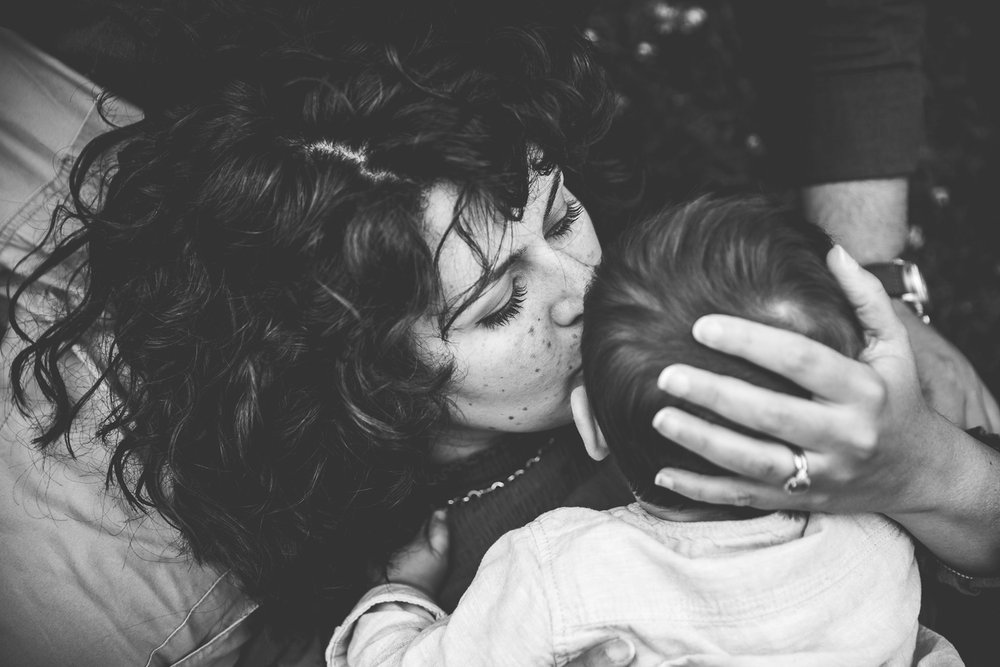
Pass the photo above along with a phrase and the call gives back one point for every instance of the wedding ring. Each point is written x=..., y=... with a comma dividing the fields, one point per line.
x=799, y=481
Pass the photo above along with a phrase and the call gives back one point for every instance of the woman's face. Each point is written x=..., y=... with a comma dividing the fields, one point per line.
x=516, y=348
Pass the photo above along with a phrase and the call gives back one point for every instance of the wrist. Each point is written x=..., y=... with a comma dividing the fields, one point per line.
x=937, y=467
x=952, y=506
x=866, y=250
x=867, y=218
x=906, y=312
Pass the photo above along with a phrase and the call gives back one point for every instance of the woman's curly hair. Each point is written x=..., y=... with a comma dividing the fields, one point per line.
x=257, y=255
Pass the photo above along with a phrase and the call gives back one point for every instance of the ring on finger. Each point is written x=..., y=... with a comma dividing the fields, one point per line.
x=798, y=481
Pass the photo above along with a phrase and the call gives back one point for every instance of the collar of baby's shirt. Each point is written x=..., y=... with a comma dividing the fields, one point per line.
x=717, y=537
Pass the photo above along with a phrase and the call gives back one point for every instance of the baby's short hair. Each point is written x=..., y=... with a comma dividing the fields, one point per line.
x=738, y=256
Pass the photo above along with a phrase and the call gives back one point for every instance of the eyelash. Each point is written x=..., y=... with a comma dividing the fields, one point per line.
x=573, y=211
x=509, y=310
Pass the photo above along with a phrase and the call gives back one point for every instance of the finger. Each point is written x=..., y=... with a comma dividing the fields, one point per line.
x=731, y=491
x=612, y=653
x=865, y=292
x=767, y=462
x=809, y=364
x=782, y=416
x=437, y=533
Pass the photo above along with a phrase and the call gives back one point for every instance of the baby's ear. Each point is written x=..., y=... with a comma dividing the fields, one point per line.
x=593, y=439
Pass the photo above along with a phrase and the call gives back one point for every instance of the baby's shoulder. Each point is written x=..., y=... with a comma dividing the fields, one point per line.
x=570, y=518
x=873, y=533
x=568, y=527
x=877, y=526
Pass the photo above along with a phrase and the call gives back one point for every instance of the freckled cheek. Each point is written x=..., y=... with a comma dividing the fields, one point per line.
x=537, y=361
x=558, y=356
x=530, y=369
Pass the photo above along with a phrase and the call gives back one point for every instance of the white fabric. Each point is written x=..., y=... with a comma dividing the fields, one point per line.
x=782, y=589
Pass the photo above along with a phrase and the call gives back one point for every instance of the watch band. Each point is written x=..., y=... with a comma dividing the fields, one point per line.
x=890, y=274
x=902, y=280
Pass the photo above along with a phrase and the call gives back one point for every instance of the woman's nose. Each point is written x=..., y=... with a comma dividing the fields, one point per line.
x=567, y=310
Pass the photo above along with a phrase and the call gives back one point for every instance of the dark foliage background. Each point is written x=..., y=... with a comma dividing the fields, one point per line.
x=686, y=120
x=686, y=109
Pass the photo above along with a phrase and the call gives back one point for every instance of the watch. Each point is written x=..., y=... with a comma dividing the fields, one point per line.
x=902, y=280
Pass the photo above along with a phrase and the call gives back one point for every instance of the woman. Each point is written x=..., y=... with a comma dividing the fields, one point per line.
x=330, y=290
x=285, y=403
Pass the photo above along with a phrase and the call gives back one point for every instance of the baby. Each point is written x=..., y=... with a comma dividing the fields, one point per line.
x=676, y=577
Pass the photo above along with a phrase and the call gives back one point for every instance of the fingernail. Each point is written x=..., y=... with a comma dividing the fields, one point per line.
x=440, y=514
x=665, y=422
x=674, y=381
x=619, y=651
x=844, y=257
x=706, y=330
x=664, y=480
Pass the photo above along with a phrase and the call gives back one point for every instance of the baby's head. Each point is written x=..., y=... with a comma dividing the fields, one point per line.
x=741, y=257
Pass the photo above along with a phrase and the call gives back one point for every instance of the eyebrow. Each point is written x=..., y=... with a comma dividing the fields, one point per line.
x=497, y=272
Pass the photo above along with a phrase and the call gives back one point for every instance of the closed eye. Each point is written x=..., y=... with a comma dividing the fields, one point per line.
x=565, y=224
x=509, y=310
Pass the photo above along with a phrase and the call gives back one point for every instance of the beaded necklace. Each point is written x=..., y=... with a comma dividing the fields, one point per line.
x=500, y=483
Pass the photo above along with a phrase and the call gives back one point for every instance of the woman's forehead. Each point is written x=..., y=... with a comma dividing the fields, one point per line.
x=459, y=265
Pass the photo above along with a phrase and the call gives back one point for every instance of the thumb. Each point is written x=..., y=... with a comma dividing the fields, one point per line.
x=871, y=303
x=437, y=532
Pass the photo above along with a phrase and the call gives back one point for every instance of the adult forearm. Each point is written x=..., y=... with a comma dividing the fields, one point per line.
x=868, y=218
x=958, y=506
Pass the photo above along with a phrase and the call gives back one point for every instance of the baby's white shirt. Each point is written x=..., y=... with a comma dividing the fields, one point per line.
x=784, y=588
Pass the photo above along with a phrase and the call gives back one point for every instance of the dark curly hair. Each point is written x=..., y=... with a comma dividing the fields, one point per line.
x=745, y=257
x=256, y=256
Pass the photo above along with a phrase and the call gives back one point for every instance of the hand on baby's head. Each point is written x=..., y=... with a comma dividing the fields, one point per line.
x=745, y=257
x=423, y=563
